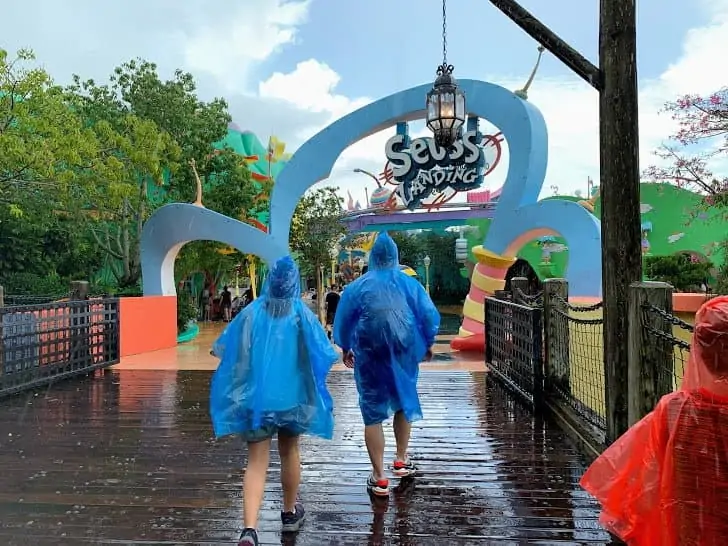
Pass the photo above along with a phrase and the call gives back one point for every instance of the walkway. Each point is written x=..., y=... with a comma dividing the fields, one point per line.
x=127, y=457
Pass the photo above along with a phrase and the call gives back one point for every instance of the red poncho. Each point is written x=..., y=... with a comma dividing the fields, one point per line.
x=665, y=481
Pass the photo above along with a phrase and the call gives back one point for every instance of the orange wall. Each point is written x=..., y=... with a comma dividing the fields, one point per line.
x=147, y=323
x=684, y=302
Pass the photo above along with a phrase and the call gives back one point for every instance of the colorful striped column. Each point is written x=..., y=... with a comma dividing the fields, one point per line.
x=488, y=276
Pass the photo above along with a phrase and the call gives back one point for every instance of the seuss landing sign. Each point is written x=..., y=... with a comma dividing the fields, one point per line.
x=421, y=168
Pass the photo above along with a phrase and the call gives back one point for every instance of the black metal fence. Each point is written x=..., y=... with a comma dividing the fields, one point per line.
x=575, y=369
x=46, y=342
x=546, y=349
x=543, y=346
x=513, y=348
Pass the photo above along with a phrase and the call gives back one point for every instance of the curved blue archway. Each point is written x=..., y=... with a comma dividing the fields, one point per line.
x=174, y=225
x=522, y=125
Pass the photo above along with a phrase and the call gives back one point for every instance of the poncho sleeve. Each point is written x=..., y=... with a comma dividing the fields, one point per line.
x=347, y=314
x=426, y=314
x=320, y=351
x=625, y=479
x=230, y=381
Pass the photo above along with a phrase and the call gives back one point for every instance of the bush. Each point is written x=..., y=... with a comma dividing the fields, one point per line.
x=682, y=271
x=186, y=311
x=32, y=284
x=721, y=285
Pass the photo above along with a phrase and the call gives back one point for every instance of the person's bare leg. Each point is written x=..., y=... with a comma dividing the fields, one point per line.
x=402, y=433
x=290, y=470
x=254, y=481
x=374, y=438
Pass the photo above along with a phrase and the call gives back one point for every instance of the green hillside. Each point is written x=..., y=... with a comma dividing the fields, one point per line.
x=672, y=222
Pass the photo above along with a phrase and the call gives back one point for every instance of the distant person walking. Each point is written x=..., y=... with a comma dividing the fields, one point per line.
x=332, y=303
x=206, y=304
x=386, y=324
x=226, y=302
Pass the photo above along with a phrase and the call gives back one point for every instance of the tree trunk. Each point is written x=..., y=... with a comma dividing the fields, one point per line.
x=620, y=194
x=320, y=296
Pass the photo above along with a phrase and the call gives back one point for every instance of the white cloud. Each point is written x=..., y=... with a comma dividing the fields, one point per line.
x=223, y=43
x=233, y=42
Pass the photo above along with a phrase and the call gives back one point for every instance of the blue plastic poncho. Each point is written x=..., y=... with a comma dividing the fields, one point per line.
x=274, y=359
x=387, y=319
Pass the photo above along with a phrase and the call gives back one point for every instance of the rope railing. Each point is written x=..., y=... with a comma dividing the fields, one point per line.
x=575, y=359
x=577, y=308
x=674, y=368
x=532, y=300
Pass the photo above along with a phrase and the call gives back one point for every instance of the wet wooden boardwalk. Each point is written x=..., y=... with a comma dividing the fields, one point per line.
x=127, y=457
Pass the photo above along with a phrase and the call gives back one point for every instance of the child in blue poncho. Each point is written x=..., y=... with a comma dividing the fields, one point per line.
x=386, y=324
x=271, y=381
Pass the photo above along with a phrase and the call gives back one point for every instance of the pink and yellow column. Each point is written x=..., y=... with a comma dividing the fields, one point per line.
x=488, y=276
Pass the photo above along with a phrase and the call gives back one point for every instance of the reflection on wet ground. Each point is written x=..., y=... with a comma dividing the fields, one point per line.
x=128, y=457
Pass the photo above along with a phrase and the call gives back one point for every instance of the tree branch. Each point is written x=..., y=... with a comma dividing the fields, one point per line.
x=106, y=247
x=551, y=41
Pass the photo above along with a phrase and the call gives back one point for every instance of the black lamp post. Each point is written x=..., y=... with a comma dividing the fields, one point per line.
x=445, y=101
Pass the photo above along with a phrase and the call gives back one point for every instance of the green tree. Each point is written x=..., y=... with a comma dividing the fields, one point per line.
x=315, y=230
x=721, y=284
x=446, y=283
x=683, y=272
x=411, y=248
x=180, y=129
x=44, y=144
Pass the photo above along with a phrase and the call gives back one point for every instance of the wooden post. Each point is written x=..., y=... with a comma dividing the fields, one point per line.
x=557, y=367
x=502, y=295
x=650, y=368
x=2, y=332
x=79, y=290
x=519, y=285
x=80, y=353
x=620, y=195
x=550, y=40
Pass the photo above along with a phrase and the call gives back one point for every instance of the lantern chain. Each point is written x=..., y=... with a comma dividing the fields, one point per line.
x=444, y=32
x=444, y=68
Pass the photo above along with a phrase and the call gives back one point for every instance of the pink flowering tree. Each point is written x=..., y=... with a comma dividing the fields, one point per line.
x=696, y=156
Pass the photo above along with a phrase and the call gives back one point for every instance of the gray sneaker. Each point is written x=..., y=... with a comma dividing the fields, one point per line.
x=292, y=521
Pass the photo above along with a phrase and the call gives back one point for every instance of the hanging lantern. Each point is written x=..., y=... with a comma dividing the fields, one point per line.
x=445, y=101
x=445, y=108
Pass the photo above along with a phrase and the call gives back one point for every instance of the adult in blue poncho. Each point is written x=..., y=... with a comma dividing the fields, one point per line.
x=386, y=324
x=274, y=359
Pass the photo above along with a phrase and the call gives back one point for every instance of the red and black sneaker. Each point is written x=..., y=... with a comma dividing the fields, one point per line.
x=404, y=469
x=249, y=538
x=378, y=488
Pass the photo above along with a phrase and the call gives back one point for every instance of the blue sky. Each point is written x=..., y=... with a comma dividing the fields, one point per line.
x=291, y=67
x=401, y=42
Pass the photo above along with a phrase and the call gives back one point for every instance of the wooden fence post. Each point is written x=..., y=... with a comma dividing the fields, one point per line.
x=2, y=332
x=650, y=366
x=502, y=295
x=79, y=290
x=557, y=369
x=80, y=343
x=519, y=285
